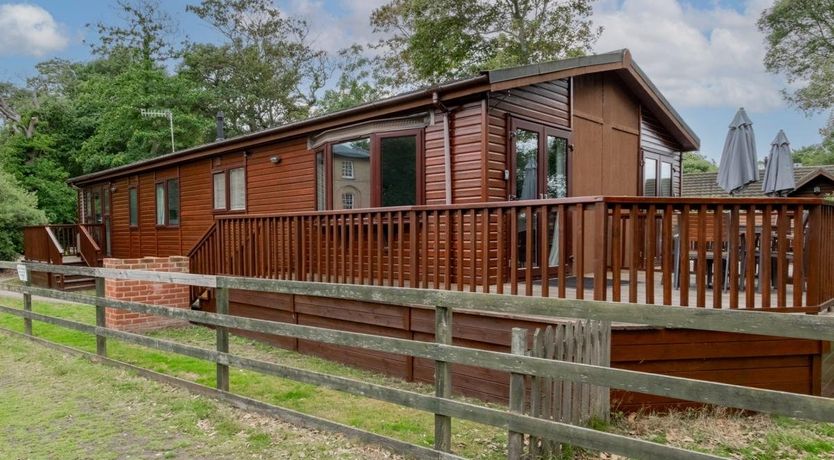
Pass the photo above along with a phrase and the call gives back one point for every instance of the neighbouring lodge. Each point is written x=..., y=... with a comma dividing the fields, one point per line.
x=559, y=179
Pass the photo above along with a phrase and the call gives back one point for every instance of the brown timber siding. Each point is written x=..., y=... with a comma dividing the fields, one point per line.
x=655, y=138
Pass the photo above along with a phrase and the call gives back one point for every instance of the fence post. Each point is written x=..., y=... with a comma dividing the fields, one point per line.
x=443, y=379
x=101, y=319
x=515, y=442
x=222, y=338
x=27, y=303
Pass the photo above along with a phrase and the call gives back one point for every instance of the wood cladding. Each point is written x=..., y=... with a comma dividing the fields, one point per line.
x=760, y=361
x=654, y=138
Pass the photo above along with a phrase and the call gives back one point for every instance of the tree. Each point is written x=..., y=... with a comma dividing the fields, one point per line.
x=147, y=30
x=265, y=74
x=800, y=45
x=694, y=162
x=18, y=208
x=429, y=41
x=355, y=85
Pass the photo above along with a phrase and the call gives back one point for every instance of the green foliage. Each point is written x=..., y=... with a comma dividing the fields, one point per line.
x=813, y=155
x=17, y=209
x=428, y=41
x=355, y=85
x=800, y=45
x=694, y=162
x=265, y=74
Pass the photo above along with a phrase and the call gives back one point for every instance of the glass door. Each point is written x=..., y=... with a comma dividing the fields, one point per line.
x=539, y=170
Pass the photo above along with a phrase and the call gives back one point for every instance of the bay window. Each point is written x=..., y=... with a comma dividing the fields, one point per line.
x=372, y=171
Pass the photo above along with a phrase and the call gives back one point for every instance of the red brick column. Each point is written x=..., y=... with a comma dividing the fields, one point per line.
x=170, y=295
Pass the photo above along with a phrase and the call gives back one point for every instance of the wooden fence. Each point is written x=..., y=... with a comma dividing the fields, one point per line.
x=442, y=352
x=585, y=341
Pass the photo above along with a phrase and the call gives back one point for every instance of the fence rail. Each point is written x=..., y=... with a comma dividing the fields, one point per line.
x=445, y=303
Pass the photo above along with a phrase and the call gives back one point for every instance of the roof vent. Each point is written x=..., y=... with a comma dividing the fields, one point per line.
x=221, y=126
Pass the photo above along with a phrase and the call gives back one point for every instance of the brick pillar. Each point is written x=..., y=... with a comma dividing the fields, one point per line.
x=169, y=295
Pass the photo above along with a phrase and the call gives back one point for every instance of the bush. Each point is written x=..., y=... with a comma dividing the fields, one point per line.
x=18, y=208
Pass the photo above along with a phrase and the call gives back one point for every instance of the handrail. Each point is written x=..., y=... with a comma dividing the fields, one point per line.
x=89, y=249
x=206, y=235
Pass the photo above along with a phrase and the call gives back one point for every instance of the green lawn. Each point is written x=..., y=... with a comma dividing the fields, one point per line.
x=53, y=405
x=720, y=432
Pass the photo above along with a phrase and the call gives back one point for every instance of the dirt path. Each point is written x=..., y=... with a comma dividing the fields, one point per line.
x=57, y=406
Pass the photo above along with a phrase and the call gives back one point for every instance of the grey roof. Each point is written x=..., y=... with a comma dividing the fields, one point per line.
x=704, y=184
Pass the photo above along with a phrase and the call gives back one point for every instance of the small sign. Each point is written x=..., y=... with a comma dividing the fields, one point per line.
x=23, y=273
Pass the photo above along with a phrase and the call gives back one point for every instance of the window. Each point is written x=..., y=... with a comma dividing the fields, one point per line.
x=398, y=170
x=220, y=191
x=658, y=174
x=173, y=202
x=347, y=169
x=358, y=153
x=237, y=190
x=160, y=203
x=538, y=161
x=229, y=188
x=379, y=170
x=347, y=201
x=168, y=203
x=321, y=183
x=665, y=179
x=649, y=177
x=133, y=206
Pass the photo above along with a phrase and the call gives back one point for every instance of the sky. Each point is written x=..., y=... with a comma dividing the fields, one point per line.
x=704, y=55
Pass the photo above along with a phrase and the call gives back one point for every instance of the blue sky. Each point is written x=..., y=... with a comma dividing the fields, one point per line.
x=705, y=56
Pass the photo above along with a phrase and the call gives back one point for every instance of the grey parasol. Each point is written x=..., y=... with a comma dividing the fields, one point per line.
x=778, y=175
x=738, y=160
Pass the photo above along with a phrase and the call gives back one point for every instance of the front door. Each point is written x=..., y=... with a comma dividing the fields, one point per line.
x=538, y=170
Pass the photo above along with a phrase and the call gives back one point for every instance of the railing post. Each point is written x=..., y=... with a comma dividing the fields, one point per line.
x=101, y=318
x=515, y=442
x=443, y=379
x=27, y=303
x=222, y=296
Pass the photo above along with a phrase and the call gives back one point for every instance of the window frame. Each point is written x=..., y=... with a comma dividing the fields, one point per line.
x=227, y=209
x=543, y=130
x=660, y=159
x=352, y=174
x=131, y=225
x=376, y=164
x=352, y=200
x=164, y=183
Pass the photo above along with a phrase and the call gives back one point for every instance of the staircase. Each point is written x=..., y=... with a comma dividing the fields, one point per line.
x=71, y=244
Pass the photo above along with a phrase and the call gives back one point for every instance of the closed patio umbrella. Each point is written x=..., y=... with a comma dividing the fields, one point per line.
x=530, y=188
x=778, y=175
x=738, y=160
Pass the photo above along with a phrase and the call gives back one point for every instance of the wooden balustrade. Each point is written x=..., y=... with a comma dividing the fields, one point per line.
x=738, y=253
x=41, y=245
x=89, y=249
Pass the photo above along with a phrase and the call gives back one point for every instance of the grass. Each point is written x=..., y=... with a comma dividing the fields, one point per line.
x=717, y=431
x=60, y=406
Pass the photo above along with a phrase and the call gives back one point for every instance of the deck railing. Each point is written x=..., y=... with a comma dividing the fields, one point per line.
x=732, y=253
x=55, y=242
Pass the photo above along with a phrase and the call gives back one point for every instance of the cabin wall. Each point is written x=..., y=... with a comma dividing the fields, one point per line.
x=605, y=159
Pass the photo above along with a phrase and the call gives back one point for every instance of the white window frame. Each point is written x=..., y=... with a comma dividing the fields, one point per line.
x=347, y=169
x=348, y=200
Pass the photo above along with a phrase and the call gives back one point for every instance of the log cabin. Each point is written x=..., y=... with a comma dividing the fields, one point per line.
x=559, y=179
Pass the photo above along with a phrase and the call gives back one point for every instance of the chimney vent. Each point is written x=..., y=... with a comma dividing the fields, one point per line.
x=221, y=126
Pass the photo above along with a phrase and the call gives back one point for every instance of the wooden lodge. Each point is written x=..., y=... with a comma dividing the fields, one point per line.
x=560, y=179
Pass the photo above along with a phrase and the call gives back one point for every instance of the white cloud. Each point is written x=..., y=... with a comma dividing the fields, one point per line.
x=29, y=30
x=697, y=57
x=336, y=25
